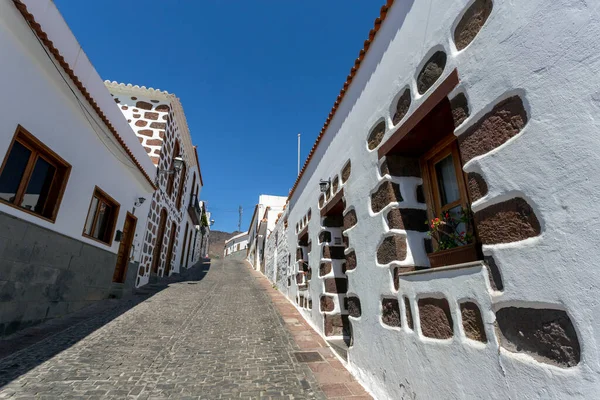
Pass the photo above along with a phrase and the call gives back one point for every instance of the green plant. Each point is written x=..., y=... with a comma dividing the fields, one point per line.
x=452, y=229
x=204, y=220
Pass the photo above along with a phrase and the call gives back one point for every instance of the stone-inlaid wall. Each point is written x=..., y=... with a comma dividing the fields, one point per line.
x=531, y=181
x=153, y=120
x=148, y=118
x=276, y=253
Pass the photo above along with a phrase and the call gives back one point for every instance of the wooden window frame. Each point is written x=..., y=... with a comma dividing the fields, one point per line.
x=185, y=235
x=446, y=147
x=171, y=179
x=182, y=177
x=59, y=181
x=103, y=197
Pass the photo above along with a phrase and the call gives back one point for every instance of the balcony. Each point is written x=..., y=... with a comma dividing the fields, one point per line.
x=194, y=210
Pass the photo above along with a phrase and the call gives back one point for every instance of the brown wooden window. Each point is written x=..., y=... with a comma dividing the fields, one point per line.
x=171, y=179
x=445, y=178
x=102, y=217
x=33, y=177
x=181, y=186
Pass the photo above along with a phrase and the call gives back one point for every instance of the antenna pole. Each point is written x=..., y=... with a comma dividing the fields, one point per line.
x=241, y=211
x=298, y=154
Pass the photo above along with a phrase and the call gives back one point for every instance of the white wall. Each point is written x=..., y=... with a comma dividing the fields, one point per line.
x=36, y=97
x=241, y=240
x=547, y=52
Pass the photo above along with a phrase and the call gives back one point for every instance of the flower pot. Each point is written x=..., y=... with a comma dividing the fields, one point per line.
x=458, y=255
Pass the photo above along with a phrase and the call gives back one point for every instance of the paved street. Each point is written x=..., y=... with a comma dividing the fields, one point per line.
x=215, y=335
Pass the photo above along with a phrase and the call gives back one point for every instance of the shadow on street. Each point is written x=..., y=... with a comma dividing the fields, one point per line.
x=26, y=349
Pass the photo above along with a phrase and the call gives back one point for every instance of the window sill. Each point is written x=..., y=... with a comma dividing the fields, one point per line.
x=26, y=211
x=471, y=264
x=96, y=240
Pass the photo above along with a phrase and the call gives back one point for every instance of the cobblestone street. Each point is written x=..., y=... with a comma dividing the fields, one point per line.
x=214, y=335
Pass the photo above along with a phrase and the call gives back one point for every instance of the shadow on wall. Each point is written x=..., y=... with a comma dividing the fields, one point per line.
x=26, y=349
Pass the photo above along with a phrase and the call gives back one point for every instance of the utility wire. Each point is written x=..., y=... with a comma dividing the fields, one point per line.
x=82, y=106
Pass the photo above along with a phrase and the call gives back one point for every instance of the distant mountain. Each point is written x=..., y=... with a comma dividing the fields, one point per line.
x=216, y=242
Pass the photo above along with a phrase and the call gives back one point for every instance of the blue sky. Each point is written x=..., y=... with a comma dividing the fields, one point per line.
x=250, y=75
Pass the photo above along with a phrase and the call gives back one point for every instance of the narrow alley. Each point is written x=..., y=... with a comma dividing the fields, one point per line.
x=213, y=335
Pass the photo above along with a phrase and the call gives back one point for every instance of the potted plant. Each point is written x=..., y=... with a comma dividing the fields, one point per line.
x=454, y=242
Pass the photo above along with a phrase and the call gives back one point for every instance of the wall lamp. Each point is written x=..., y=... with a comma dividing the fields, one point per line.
x=324, y=185
x=139, y=201
x=177, y=165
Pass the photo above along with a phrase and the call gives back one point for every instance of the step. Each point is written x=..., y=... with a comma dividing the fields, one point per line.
x=339, y=346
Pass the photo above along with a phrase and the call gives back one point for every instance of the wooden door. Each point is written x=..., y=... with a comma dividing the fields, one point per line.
x=184, y=244
x=170, y=250
x=125, y=248
x=159, y=241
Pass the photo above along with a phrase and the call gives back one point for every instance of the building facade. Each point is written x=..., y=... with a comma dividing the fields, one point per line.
x=175, y=214
x=237, y=243
x=277, y=256
x=75, y=185
x=484, y=113
x=262, y=223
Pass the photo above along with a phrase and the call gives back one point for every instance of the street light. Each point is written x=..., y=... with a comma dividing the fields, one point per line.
x=324, y=185
x=177, y=166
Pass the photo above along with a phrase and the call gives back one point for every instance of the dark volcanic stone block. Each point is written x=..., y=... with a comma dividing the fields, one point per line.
x=545, y=334
x=431, y=72
x=460, y=109
x=352, y=304
x=376, y=135
x=472, y=322
x=435, y=317
x=510, y=221
x=393, y=248
x=477, y=186
x=324, y=268
x=385, y=194
x=346, y=171
x=327, y=303
x=471, y=22
x=505, y=121
x=390, y=312
x=350, y=219
x=402, y=107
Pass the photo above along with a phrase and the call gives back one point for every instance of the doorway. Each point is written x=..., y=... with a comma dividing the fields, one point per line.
x=170, y=250
x=159, y=241
x=125, y=248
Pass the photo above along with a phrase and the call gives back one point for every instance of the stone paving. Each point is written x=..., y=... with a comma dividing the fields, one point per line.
x=214, y=335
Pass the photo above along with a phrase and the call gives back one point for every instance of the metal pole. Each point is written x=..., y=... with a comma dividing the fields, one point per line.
x=298, y=154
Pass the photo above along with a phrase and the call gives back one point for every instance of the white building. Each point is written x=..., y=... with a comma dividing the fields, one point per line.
x=475, y=103
x=175, y=215
x=237, y=243
x=261, y=224
x=75, y=184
